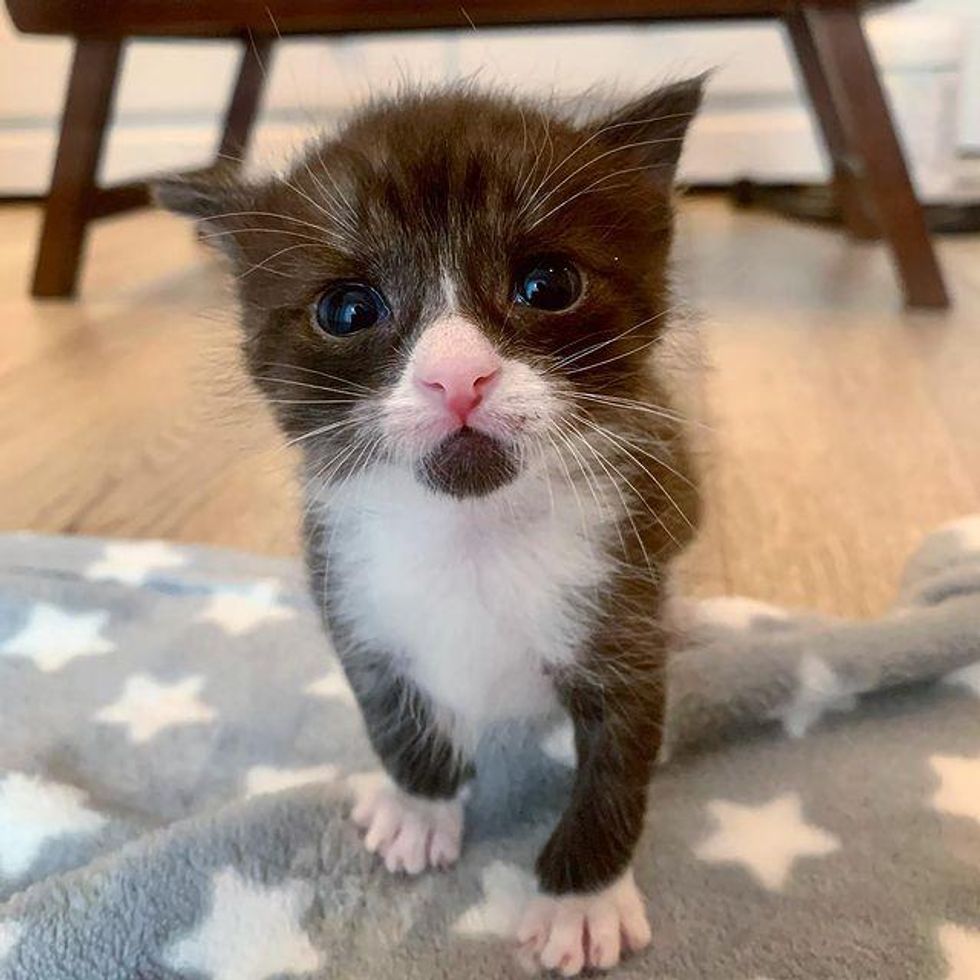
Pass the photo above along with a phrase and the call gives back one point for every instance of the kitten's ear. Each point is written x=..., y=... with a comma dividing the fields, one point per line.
x=653, y=126
x=212, y=197
x=197, y=195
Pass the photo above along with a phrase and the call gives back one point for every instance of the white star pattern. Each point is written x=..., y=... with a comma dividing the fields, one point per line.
x=506, y=891
x=240, y=611
x=968, y=677
x=131, y=562
x=559, y=744
x=766, y=840
x=53, y=637
x=332, y=686
x=147, y=706
x=961, y=947
x=251, y=932
x=268, y=779
x=9, y=937
x=736, y=612
x=820, y=691
x=967, y=532
x=959, y=786
x=33, y=812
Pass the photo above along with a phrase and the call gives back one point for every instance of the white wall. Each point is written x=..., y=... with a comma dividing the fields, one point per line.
x=171, y=93
x=968, y=14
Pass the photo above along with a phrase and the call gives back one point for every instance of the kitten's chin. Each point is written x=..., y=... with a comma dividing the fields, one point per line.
x=467, y=464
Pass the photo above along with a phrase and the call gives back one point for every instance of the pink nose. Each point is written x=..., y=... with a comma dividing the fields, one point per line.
x=461, y=380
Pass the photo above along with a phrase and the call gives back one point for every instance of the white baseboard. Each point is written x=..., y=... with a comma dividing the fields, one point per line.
x=775, y=144
x=772, y=144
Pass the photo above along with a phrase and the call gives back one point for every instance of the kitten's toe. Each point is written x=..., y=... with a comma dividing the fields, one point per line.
x=366, y=789
x=410, y=833
x=604, y=931
x=408, y=851
x=382, y=829
x=634, y=925
x=572, y=932
x=444, y=844
x=565, y=949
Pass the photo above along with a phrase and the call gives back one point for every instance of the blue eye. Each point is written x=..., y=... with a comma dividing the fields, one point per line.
x=347, y=307
x=548, y=283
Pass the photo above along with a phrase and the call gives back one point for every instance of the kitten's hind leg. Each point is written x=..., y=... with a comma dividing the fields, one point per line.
x=411, y=815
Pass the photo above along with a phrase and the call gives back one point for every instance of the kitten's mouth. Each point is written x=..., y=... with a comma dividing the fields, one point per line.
x=468, y=464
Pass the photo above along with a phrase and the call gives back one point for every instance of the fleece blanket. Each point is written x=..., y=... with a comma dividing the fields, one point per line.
x=177, y=744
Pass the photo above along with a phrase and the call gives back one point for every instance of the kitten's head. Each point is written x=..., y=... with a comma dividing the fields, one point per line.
x=439, y=285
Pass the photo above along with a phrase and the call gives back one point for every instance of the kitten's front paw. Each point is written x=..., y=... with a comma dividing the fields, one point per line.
x=573, y=932
x=408, y=832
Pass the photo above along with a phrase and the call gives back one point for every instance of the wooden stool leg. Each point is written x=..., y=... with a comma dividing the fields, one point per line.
x=847, y=179
x=245, y=98
x=88, y=106
x=850, y=68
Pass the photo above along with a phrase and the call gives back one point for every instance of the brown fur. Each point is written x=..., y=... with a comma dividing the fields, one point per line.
x=471, y=185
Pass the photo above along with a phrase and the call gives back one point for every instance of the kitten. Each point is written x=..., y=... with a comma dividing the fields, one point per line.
x=452, y=306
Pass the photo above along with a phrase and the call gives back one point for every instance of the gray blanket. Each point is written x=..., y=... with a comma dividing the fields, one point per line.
x=176, y=745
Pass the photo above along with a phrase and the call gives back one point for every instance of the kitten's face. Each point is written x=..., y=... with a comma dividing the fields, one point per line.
x=442, y=284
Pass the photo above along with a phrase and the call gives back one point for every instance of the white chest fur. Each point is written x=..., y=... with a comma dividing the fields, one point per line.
x=473, y=598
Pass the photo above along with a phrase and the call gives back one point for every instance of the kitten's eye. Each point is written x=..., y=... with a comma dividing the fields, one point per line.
x=548, y=283
x=347, y=307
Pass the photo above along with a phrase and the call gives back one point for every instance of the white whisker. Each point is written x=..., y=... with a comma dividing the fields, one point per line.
x=631, y=404
x=570, y=481
x=305, y=384
x=597, y=134
x=612, y=472
x=610, y=437
x=618, y=357
x=312, y=401
x=602, y=156
x=271, y=214
x=264, y=264
x=571, y=359
x=323, y=430
x=588, y=189
x=322, y=374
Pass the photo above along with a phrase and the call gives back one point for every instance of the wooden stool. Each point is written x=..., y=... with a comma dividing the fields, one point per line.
x=836, y=65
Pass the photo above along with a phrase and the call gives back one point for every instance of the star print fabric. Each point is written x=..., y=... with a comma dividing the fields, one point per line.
x=177, y=743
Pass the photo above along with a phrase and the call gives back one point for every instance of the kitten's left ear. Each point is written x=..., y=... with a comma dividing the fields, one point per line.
x=214, y=198
x=653, y=127
x=199, y=195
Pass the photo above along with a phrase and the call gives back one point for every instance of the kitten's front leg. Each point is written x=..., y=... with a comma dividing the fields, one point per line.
x=410, y=833
x=412, y=816
x=590, y=911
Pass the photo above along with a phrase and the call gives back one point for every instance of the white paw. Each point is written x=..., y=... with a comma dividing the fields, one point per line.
x=575, y=932
x=408, y=832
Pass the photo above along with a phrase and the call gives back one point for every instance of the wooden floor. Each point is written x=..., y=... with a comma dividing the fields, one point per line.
x=839, y=429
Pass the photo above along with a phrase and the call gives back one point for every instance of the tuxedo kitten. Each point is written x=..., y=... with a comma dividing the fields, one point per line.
x=454, y=306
